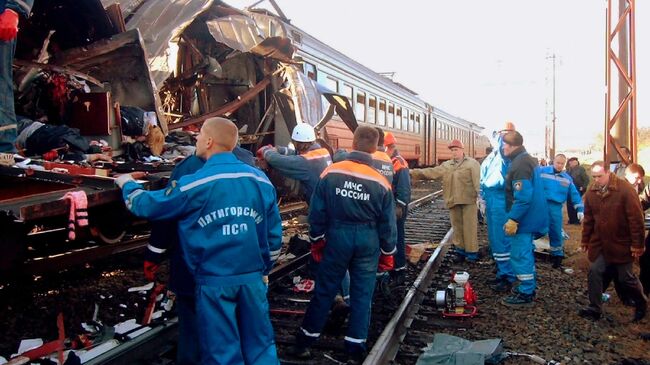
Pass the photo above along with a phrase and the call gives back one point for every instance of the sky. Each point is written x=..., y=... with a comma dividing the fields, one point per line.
x=487, y=61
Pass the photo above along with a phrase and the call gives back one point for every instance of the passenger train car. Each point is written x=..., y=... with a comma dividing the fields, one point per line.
x=422, y=130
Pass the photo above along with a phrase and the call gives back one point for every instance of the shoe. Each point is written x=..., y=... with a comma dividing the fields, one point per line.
x=300, y=352
x=645, y=336
x=628, y=302
x=398, y=277
x=639, y=314
x=495, y=281
x=589, y=313
x=503, y=286
x=556, y=261
x=355, y=358
x=518, y=300
x=458, y=259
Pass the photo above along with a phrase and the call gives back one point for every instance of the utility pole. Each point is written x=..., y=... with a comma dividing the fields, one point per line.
x=620, y=128
x=551, y=131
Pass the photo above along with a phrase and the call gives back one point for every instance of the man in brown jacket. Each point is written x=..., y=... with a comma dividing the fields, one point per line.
x=460, y=185
x=613, y=235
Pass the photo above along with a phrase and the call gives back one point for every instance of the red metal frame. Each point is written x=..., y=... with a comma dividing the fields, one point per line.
x=629, y=101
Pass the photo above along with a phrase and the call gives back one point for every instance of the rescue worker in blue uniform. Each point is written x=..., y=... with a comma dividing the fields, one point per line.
x=381, y=161
x=524, y=202
x=164, y=242
x=402, y=194
x=558, y=186
x=352, y=222
x=9, y=12
x=225, y=210
x=492, y=178
x=305, y=164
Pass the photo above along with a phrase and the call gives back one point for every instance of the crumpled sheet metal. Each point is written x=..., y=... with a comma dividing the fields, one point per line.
x=243, y=34
x=236, y=31
x=451, y=350
x=305, y=95
x=160, y=22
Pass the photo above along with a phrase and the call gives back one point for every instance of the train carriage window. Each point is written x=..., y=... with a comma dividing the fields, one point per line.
x=310, y=70
x=405, y=120
x=391, y=115
x=360, y=106
x=411, y=122
x=347, y=91
x=372, y=109
x=332, y=84
x=398, y=118
x=417, y=123
x=381, y=116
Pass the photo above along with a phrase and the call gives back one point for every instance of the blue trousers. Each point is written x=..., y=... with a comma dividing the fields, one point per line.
x=523, y=262
x=188, y=352
x=495, y=206
x=235, y=327
x=7, y=113
x=353, y=248
x=555, y=228
x=400, y=255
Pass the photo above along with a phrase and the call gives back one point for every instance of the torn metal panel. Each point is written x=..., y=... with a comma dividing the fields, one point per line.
x=236, y=31
x=305, y=95
x=161, y=22
x=242, y=33
x=120, y=62
x=269, y=25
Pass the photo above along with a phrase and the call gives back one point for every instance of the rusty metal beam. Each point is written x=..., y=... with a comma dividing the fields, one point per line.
x=626, y=72
x=228, y=108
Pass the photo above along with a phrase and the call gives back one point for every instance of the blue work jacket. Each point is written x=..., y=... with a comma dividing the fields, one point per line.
x=494, y=168
x=525, y=194
x=380, y=161
x=401, y=180
x=305, y=167
x=352, y=192
x=228, y=220
x=23, y=7
x=558, y=186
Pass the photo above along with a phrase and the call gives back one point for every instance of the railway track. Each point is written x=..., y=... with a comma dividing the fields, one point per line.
x=427, y=222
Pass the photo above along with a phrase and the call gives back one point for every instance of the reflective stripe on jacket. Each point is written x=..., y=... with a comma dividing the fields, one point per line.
x=352, y=192
x=228, y=219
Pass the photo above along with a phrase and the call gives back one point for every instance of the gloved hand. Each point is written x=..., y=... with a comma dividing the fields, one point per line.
x=481, y=205
x=123, y=179
x=510, y=227
x=399, y=211
x=637, y=252
x=260, y=152
x=386, y=263
x=8, y=25
x=317, y=249
x=150, y=270
x=581, y=216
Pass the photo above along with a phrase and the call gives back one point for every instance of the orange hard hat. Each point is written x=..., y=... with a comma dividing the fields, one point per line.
x=389, y=139
x=509, y=126
x=455, y=143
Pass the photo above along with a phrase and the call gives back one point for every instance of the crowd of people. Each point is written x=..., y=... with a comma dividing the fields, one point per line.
x=217, y=206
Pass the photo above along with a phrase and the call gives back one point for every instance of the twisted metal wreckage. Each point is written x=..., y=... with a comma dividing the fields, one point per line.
x=184, y=60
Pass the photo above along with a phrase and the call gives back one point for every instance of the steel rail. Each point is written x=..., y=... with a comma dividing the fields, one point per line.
x=387, y=345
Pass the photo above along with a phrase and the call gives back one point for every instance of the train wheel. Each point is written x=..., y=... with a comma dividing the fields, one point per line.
x=12, y=242
x=110, y=223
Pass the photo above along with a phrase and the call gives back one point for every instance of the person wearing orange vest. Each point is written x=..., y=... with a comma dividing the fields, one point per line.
x=352, y=225
x=305, y=164
x=380, y=159
x=402, y=194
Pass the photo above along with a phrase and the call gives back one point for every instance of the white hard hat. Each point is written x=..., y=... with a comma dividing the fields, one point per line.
x=303, y=132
